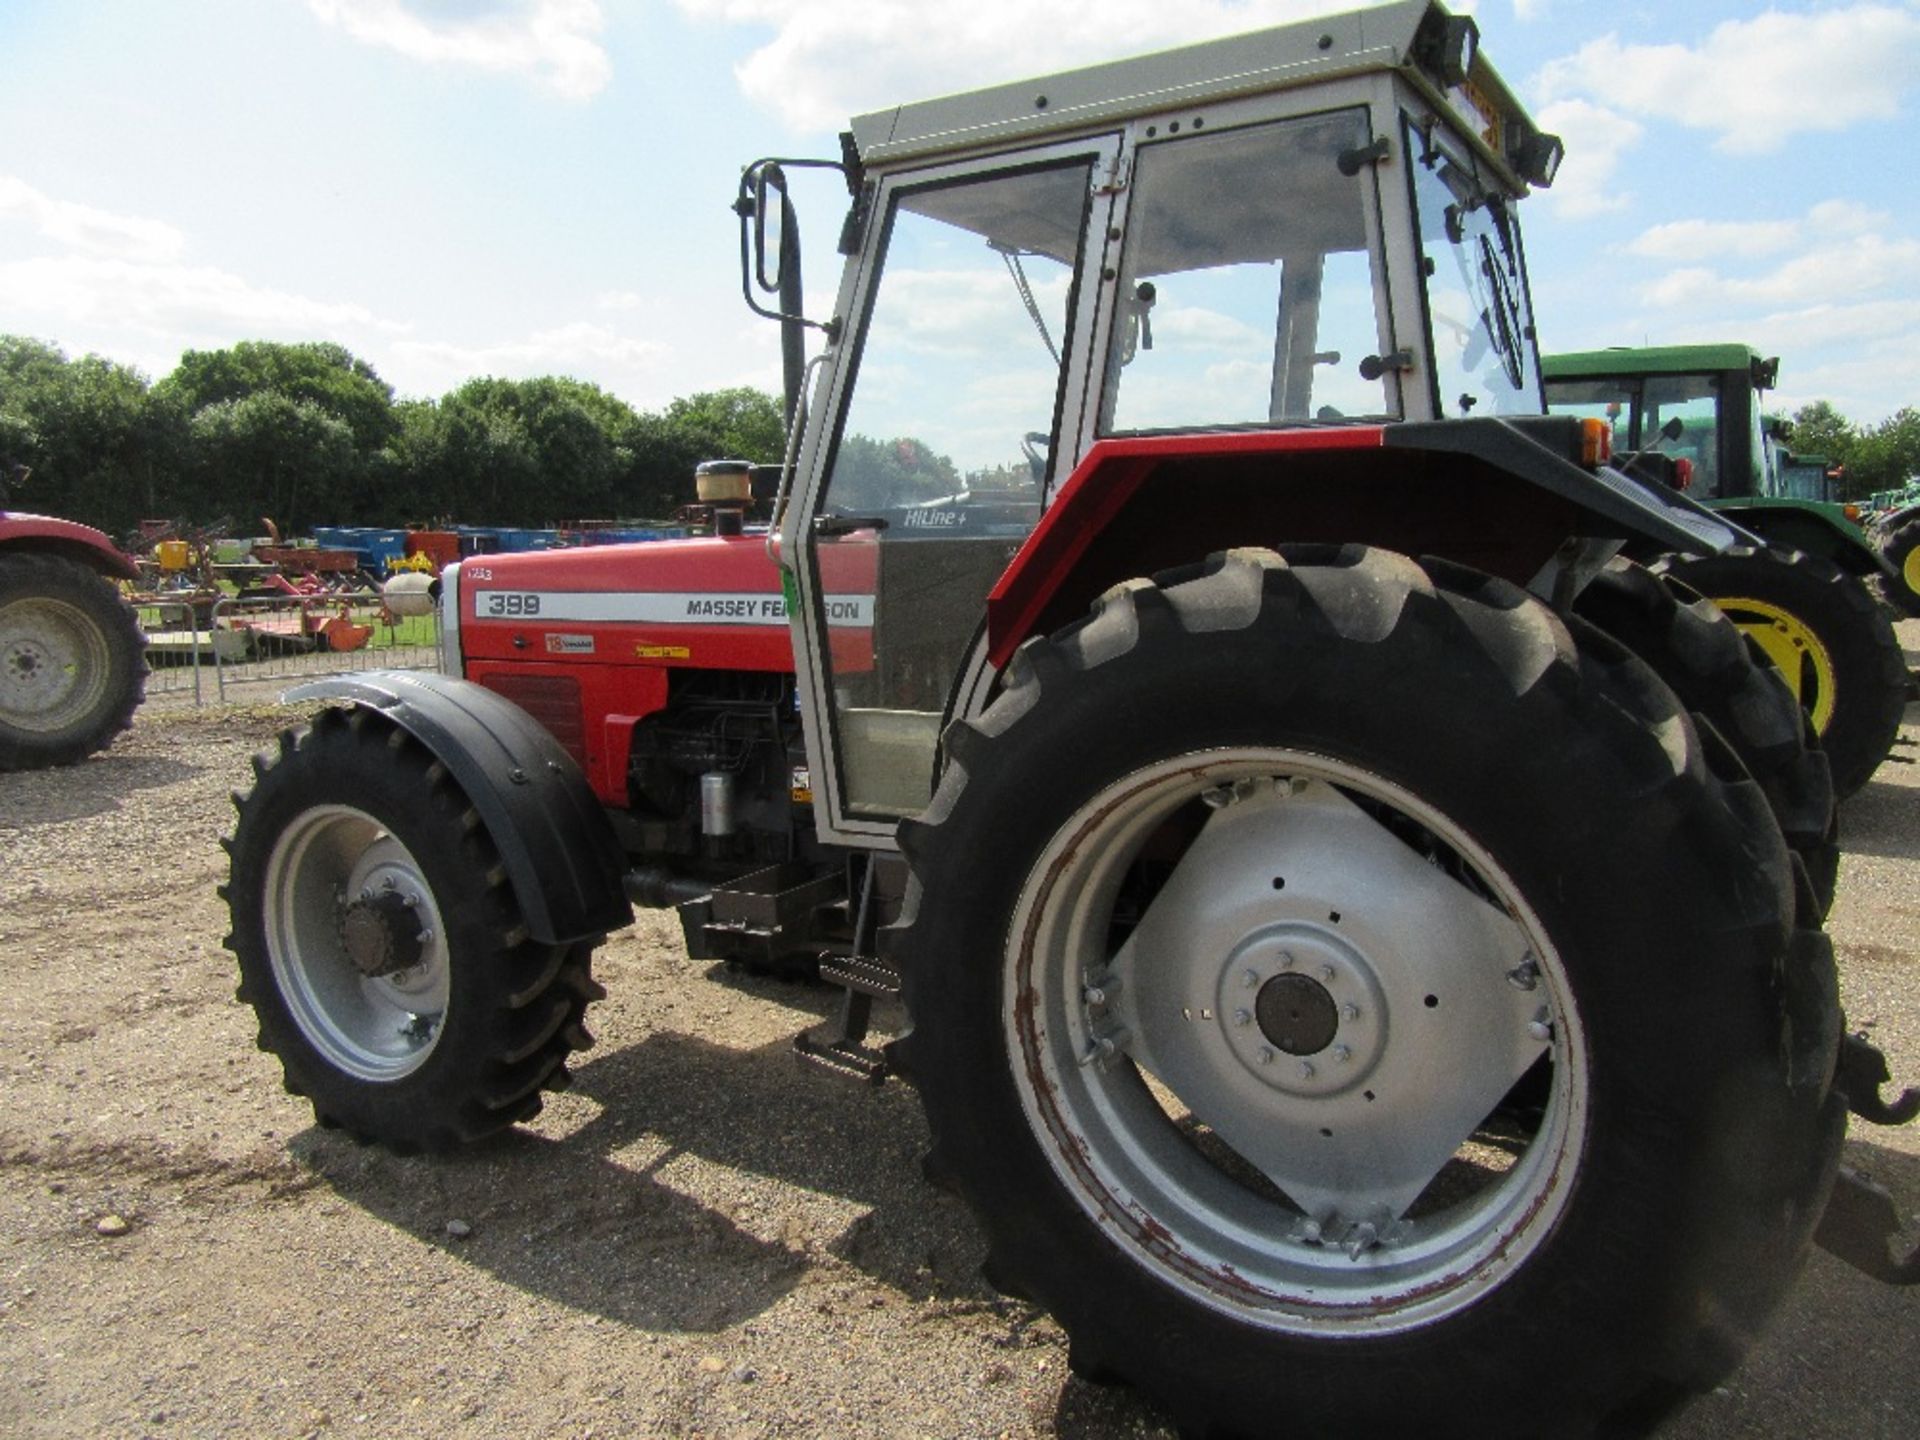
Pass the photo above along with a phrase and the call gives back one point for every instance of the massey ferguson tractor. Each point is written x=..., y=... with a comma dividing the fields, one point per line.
x=72, y=659
x=1359, y=934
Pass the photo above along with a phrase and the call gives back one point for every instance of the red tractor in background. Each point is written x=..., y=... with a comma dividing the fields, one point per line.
x=72, y=661
x=1345, y=986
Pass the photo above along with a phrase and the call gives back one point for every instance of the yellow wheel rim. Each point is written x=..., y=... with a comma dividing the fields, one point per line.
x=1910, y=570
x=1794, y=649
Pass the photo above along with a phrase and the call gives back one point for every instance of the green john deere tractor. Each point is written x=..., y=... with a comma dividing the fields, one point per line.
x=1807, y=594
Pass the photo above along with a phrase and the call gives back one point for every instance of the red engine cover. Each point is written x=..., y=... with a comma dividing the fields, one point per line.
x=610, y=622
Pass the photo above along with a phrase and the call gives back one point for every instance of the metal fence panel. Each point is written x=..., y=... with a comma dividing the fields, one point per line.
x=179, y=647
x=284, y=639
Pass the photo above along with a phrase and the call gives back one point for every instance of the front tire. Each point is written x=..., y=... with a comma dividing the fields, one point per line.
x=1831, y=642
x=1352, y=1002
x=381, y=948
x=72, y=662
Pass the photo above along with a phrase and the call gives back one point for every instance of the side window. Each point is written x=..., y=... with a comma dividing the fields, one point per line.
x=1248, y=294
x=959, y=374
x=1479, y=313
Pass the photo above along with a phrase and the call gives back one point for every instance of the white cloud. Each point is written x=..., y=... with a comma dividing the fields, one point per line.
x=1596, y=137
x=81, y=227
x=1699, y=241
x=556, y=41
x=1757, y=81
x=830, y=59
x=1827, y=274
x=192, y=303
x=615, y=361
x=1683, y=240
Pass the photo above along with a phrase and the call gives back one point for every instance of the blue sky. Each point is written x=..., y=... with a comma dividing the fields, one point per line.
x=517, y=187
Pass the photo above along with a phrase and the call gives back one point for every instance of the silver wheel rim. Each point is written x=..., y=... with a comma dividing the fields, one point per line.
x=378, y=1028
x=54, y=665
x=1178, y=1082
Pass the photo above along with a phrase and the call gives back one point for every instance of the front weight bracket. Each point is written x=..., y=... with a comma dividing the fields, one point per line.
x=1862, y=1227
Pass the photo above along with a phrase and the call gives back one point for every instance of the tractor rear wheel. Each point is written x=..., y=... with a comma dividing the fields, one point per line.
x=1823, y=631
x=1726, y=682
x=72, y=668
x=1354, y=1000
x=381, y=948
x=1901, y=547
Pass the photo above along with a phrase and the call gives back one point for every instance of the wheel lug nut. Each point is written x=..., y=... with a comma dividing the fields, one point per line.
x=1286, y=959
x=1306, y=1069
x=1349, y=1011
x=367, y=893
x=1326, y=972
x=425, y=937
x=1243, y=1017
x=1540, y=1030
x=1249, y=978
x=1342, y=1053
x=1265, y=1055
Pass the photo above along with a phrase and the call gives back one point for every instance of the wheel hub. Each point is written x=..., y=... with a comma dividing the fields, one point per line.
x=1297, y=1014
x=1301, y=1008
x=382, y=934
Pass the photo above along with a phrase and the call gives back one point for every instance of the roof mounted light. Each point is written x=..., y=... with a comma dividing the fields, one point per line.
x=1537, y=157
x=1459, y=43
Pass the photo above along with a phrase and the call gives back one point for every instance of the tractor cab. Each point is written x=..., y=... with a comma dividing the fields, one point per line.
x=1310, y=229
x=1699, y=403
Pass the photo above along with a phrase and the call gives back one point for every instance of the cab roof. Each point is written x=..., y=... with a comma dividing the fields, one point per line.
x=1391, y=37
x=1659, y=360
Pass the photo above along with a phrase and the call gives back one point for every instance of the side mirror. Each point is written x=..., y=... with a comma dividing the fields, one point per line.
x=772, y=216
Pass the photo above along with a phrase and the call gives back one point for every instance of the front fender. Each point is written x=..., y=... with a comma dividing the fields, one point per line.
x=558, y=846
x=81, y=542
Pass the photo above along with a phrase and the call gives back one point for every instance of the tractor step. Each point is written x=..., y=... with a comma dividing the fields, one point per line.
x=861, y=973
x=839, y=1044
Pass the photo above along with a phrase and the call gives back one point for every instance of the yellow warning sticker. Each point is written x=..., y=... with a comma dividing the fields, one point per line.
x=663, y=652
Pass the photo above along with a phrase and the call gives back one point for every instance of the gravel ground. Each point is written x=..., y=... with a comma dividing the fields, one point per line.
x=699, y=1240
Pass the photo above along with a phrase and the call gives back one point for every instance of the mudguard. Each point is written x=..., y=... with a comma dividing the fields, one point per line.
x=82, y=542
x=559, y=847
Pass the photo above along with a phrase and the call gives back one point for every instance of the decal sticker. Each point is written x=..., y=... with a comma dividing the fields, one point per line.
x=661, y=607
x=570, y=644
x=663, y=652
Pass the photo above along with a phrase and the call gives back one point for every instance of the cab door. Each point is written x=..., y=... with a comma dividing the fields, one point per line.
x=957, y=408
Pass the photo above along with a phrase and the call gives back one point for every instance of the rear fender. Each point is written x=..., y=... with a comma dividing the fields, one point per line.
x=554, y=838
x=65, y=537
x=1794, y=527
x=1495, y=495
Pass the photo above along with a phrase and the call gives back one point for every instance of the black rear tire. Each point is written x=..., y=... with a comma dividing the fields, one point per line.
x=1727, y=683
x=73, y=667
x=354, y=853
x=1457, y=754
x=1831, y=641
x=1901, y=548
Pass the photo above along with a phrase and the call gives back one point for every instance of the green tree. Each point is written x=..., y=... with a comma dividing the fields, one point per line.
x=320, y=373
x=1885, y=457
x=268, y=455
x=104, y=448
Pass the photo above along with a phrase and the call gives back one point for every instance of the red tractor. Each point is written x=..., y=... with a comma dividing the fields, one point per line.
x=1346, y=986
x=72, y=657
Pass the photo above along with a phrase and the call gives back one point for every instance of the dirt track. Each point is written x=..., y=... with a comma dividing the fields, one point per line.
x=700, y=1239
